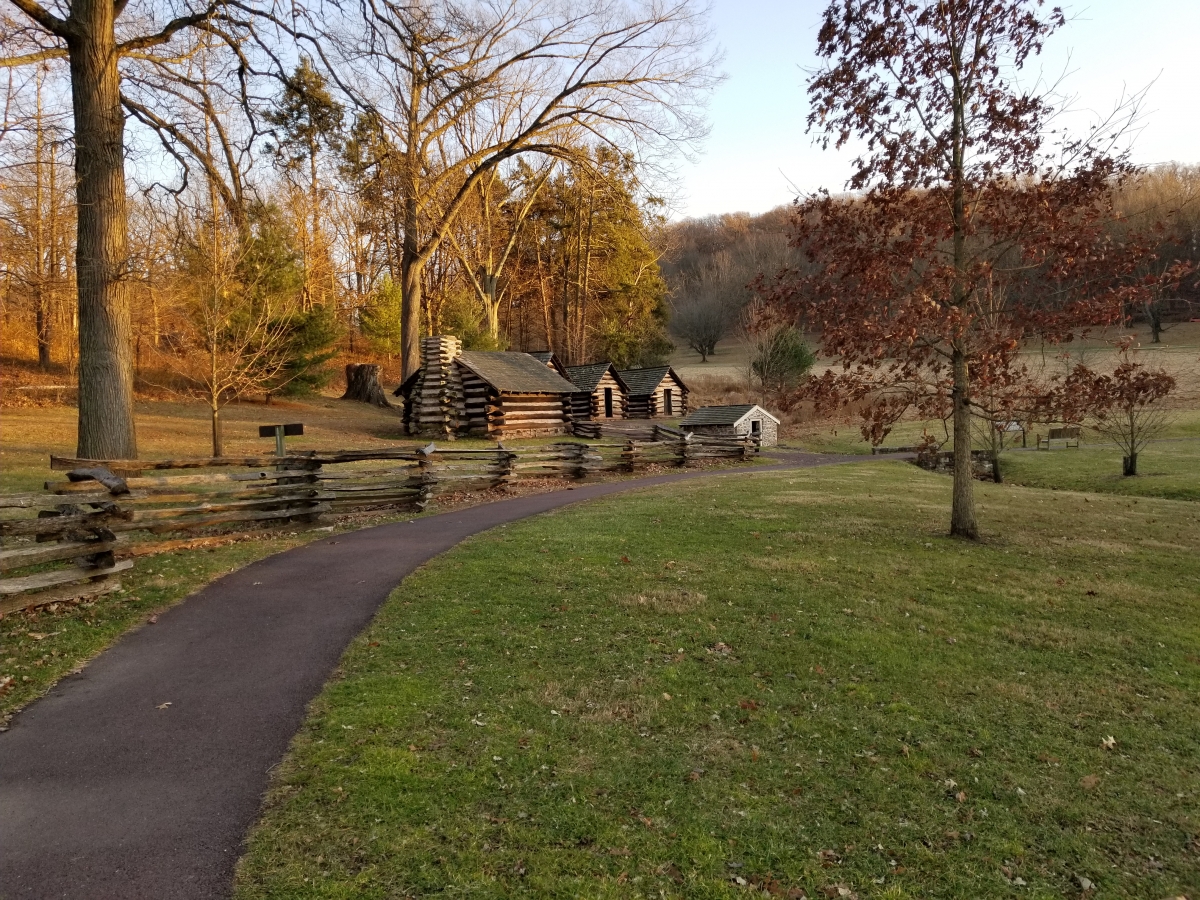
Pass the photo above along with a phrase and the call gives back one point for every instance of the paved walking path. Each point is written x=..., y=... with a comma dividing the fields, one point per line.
x=108, y=792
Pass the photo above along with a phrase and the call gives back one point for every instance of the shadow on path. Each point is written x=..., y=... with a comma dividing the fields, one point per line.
x=107, y=792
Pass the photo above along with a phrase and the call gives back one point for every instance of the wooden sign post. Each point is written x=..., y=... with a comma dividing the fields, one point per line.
x=278, y=432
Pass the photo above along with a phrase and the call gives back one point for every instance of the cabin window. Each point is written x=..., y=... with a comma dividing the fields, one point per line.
x=755, y=427
x=608, y=403
x=668, y=404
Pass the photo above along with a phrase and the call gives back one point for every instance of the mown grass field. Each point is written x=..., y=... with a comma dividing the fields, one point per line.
x=1169, y=467
x=785, y=682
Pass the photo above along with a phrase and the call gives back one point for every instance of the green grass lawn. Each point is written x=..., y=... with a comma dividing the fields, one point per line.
x=791, y=682
x=1168, y=468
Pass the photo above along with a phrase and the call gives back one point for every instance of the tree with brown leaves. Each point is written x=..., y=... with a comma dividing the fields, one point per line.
x=973, y=230
x=1125, y=404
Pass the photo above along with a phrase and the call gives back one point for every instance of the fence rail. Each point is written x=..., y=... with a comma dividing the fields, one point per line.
x=89, y=527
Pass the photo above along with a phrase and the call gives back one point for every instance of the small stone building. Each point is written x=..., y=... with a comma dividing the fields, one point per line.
x=738, y=422
x=655, y=393
x=487, y=394
x=600, y=394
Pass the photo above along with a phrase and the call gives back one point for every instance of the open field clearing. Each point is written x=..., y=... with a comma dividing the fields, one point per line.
x=168, y=430
x=789, y=681
x=1169, y=467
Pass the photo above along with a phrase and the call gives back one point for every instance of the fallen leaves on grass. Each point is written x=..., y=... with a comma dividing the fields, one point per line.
x=772, y=887
x=665, y=601
x=1089, y=782
x=1109, y=743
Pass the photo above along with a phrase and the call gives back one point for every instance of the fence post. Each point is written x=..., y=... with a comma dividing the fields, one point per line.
x=503, y=467
x=629, y=456
x=427, y=475
x=580, y=453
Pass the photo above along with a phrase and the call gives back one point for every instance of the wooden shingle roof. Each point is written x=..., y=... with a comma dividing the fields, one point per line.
x=515, y=373
x=646, y=381
x=723, y=415
x=587, y=378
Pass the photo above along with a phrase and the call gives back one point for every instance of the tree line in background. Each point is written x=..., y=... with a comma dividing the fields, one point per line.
x=711, y=264
x=225, y=191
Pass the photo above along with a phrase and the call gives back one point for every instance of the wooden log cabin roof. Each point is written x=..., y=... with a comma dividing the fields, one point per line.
x=549, y=358
x=587, y=378
x=646, y=381
x=515, y=373
x=723, y=415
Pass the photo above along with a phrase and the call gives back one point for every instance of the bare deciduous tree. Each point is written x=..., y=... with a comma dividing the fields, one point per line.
x=530, y=77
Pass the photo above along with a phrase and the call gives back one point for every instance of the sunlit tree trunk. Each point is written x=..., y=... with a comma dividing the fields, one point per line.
x=106, y=424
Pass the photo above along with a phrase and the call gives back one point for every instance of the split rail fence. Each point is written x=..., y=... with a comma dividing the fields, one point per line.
x=80, y=533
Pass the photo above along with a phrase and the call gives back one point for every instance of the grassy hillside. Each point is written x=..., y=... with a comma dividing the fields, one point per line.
x=793, y=682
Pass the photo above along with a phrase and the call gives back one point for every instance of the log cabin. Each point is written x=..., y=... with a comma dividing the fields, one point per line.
x=737, y=422
x=601, y=393
x=655, y=393
x=513, y=395
x=488, y=394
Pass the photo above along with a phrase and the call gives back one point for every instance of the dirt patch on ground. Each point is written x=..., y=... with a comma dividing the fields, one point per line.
x=660, y=601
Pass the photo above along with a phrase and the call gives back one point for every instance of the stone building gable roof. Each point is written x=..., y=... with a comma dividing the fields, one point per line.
x=515, y=373
x=587, y=378
x=723, y=415
x=646, y=381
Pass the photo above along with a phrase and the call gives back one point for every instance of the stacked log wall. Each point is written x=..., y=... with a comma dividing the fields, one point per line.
x=479, y=397
x=620, y=398
x=657, y=400
x=529, y=415
x=439, y=399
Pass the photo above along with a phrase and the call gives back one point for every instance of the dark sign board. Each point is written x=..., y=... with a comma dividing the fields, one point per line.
x=289, y=430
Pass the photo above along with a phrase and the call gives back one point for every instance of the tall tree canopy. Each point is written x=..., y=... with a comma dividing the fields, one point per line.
x=973, y=228
x=468, y=87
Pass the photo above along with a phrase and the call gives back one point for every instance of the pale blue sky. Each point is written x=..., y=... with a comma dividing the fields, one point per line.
x=758, y=146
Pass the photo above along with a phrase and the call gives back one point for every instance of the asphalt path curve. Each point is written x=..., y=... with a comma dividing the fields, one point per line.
x=140, y=776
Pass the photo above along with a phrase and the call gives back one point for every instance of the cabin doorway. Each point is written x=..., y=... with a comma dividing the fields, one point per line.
x=608, y=403
x=668, y=402
x=755, y=428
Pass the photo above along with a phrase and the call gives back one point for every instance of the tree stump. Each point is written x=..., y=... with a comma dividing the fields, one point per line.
x=362, y=384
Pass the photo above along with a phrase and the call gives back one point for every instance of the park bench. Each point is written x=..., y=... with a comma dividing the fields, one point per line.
x=1067, y=436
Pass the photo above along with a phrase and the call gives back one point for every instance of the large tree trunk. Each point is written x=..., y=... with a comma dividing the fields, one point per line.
x=106, y=426
x=492, y=304
x=410, y=314
x=362, y=384
x=962, y=504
